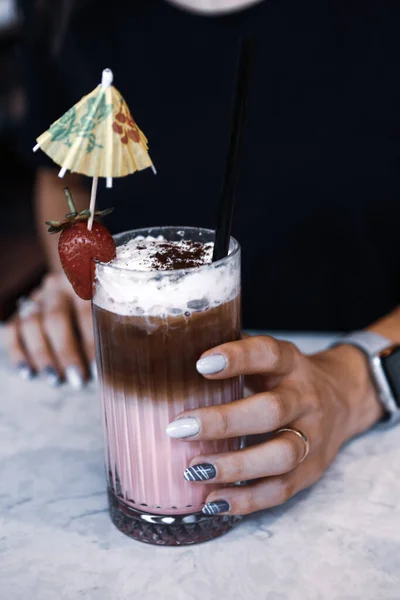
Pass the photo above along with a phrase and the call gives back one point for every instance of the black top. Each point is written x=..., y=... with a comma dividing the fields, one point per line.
x=318, y=204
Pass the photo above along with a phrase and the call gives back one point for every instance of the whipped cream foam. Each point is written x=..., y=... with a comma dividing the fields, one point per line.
x=143, y=280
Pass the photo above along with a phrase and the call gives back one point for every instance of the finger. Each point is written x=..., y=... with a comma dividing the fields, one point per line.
x=34, y=339
x=269, y=492
x=83, y=314
x=38, y=349
x=260, y=413
x=260, y=354
x=59, y=327
x=275, y=457
x=15, y=349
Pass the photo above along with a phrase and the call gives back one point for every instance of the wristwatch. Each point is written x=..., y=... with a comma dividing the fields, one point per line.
x=384, y=361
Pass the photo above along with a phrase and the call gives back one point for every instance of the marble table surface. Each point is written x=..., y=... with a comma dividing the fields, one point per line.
x=337, y=540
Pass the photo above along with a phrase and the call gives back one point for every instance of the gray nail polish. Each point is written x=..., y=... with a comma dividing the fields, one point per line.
x=215, y=508
x=211, y=364
x=93, y=370
x=51, y=376
x=74, y=377
x=201, y=472
x=183, y=428
x=25, y=371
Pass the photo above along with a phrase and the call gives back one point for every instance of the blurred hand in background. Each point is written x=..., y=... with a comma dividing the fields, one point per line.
x=51, y=334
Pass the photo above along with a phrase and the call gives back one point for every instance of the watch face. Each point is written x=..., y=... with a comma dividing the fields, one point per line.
x=390, y=361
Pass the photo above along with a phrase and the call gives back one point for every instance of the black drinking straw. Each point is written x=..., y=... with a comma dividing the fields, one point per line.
x=225, y=210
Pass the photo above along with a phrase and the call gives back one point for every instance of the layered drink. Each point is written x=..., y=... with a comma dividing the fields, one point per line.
x=157, y=307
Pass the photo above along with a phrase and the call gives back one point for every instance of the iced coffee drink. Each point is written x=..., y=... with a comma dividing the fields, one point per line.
x=157, y=307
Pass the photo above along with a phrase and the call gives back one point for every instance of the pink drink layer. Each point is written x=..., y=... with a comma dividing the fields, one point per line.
x=147, y=371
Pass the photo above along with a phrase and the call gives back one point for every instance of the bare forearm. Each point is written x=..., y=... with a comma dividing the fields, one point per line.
x=50, y=204
x=352, y=374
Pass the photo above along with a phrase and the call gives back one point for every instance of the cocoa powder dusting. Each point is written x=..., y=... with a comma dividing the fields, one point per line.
x=185, y=255
x=157, y=254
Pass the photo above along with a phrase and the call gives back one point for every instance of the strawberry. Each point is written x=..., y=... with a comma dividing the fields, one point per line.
x=79, y=248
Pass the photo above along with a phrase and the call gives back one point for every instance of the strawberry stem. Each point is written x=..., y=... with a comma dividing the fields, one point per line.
x=71, y=204
x=74, y=217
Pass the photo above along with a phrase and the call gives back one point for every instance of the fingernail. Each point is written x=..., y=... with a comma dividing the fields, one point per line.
x=183, y=428
x=74, y=377
x=215, y=508
x=25, y=371
x=202, y=472
x=93, y=370
x=211, y=364
x=51, y=376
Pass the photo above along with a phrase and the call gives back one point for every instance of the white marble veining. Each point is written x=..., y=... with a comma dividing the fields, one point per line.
x=339, y=540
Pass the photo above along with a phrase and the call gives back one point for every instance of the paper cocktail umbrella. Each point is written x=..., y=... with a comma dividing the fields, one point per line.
x=97, y=137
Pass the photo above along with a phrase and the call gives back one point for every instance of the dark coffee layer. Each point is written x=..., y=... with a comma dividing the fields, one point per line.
x=157, y=356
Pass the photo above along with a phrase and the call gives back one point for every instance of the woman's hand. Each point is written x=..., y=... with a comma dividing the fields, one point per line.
x=327, y=397
x=53, y=335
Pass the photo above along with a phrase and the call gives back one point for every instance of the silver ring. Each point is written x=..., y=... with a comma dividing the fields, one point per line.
x=27, y=308
x=303, y=438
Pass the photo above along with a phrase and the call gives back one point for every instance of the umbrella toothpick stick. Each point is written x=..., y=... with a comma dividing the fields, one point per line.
x=92, y=207
x=106, y=81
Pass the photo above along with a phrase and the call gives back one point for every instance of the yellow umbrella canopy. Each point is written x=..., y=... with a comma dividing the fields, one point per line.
x=97, y=137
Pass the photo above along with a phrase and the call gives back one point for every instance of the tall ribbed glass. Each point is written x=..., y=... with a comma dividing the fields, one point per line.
x=150, y=329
